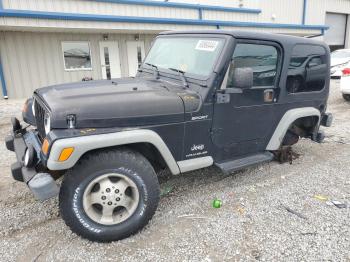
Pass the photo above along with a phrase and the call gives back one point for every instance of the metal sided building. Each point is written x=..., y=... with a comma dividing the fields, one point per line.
x=45, y=42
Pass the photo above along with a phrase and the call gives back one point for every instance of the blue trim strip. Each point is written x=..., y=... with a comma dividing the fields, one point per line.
x=151, y=20
x=3, y=82
x=304, y=12
x=200, y=14
x=183, y=5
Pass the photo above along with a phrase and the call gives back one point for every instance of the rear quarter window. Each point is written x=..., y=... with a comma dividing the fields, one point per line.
x=307, y=71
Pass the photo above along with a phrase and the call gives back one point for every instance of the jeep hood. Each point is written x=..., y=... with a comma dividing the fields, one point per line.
x=121, y=102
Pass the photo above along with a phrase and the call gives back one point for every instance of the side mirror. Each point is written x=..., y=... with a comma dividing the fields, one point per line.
x=242, y=78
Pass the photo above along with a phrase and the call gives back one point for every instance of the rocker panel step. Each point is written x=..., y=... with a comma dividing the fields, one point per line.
x=237, y=164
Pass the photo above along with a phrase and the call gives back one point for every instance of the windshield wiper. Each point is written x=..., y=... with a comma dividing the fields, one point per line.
x=156, y=70
x=182, y=74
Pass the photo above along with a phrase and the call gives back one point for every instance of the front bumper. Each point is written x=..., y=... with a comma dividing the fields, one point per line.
x=41, y=184
x=18, y=143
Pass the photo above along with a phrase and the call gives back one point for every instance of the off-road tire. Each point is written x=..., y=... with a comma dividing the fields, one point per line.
x=346, y=97
x=123, y=161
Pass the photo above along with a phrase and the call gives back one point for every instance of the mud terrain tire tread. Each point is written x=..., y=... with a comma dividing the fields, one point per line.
x=85, y=170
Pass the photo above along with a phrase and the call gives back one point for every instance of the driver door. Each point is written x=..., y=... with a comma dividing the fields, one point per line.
x=244, y=117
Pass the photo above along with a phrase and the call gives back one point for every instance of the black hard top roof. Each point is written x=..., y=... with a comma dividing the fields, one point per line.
x=283, y=39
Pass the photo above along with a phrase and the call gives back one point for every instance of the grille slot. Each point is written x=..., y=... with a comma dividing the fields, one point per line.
x=39, y=118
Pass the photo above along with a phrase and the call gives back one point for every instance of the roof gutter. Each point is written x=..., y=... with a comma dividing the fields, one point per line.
x=150, y=20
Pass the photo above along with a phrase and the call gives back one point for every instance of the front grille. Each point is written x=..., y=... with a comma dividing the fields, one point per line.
x=39, y=118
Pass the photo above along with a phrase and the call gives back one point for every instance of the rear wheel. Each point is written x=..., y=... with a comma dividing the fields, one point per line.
x=109, y=195
x=290, y=138
x=346, y=97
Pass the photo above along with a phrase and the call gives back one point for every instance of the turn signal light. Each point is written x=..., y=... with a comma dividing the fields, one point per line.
x=45, y=146
x=65, y=154
x=346, y=71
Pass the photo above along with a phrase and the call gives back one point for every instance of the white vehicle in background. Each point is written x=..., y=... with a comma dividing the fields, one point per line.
x=345, y=83
x=339, y=60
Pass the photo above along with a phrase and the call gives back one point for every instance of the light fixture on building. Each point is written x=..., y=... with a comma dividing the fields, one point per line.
x=273, y=17
x=137, y=37
x=105, y=37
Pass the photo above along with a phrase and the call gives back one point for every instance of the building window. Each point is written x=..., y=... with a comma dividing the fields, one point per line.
x=262, y=59
x=307, y=69
x=77, y=56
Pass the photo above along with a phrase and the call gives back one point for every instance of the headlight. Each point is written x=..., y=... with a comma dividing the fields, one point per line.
x=26, y=157
x=33, y=107
x=47, y=123
x=29, y=157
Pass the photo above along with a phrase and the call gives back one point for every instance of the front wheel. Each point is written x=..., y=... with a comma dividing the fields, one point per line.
x=109, y=195
x=346, y=97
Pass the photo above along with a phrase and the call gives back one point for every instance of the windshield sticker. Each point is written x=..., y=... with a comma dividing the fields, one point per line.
x=207, y=45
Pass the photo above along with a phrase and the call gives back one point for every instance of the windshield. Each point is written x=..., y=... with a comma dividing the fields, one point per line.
x=190, y=55
x=340, y=54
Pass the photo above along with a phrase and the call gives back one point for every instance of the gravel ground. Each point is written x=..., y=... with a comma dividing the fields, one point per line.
x=269, y=212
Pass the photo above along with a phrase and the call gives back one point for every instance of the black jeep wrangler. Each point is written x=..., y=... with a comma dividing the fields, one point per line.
x=227, y=98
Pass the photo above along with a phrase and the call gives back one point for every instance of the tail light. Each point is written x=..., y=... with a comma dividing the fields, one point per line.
x=346, y=72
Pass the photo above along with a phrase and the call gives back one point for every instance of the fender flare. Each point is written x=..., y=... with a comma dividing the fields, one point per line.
x=288, y=118
x=84, y=144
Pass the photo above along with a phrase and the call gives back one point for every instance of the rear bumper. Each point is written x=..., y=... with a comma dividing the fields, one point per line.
x=42, y=185
x=326, y=120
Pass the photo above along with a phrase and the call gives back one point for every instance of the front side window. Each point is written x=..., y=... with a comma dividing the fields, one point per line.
x=77, y=55
x=191, y=55
x=307, y=70
x=262, y=59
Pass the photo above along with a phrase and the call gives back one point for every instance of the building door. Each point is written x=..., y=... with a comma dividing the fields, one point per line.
x=335, y=35
x=136, y=54
x=110, y=62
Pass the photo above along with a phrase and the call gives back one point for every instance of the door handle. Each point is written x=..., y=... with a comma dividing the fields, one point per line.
x=269, y=95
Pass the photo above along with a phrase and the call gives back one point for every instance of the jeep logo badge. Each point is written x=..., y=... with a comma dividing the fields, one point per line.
x=197, y=147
